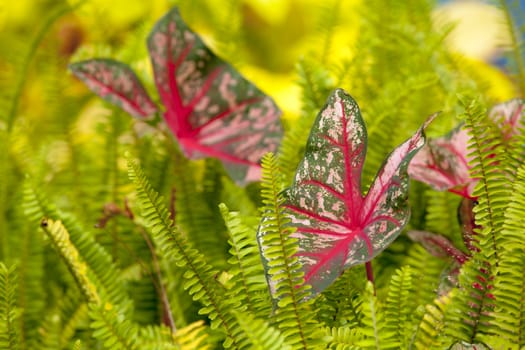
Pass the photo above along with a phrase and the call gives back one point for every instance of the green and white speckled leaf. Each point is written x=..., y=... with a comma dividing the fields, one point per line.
x=337, y=225
x=116, y=83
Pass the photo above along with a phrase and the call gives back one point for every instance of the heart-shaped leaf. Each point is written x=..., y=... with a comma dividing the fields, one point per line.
x=338, y=226
x=210, y=107
x=509, y=117
x=443, y=164
x=116, y=83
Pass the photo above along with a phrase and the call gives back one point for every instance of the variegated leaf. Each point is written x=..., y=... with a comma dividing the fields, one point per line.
x=437, y=245
x=116, y=83
x=337, y=226
x=442, y=163
x=212, y=110
x=509, y=117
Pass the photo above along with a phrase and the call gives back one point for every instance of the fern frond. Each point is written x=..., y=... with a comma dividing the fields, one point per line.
x=293, y=311
x=248, y=274
x=427, y=270
x=399, y=306
x=261, y=335
x=376, y=334
x=340, y=304
x=198, y=221
x=432, y=325
x=103, y=271
x=77, y=345
x=509, y=283
x=23, y=69
x=344, y=338
x=508, y=320
x=9, y=312
x=442, y=215
x=200, y=276
x=492, y=190
x=111, y=328
x=470, y=308
x=329, y=18
x=193, y=336
x=59, y=235
x=316, y=84
x=62, y=321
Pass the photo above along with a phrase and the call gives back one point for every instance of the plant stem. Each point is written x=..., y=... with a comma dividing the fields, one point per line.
x=370, y=274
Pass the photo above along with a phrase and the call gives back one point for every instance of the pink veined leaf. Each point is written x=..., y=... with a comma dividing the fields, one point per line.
x=509, y=117
x=212, y=110
x=438, y=246
x=116, y=83
x=337, y=226
x=443, y=164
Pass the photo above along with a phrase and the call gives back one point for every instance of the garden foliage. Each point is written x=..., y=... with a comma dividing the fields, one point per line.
x=212, y=220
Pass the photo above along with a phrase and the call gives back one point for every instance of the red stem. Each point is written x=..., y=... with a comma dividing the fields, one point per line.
x=370, y=274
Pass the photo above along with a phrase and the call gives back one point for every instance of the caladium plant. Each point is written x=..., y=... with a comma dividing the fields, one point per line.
x=443, y=162
x=338, y=226
x=212, y=110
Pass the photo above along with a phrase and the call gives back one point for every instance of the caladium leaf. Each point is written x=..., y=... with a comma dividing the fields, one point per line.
x=212, y=110
x=509, y=117
x=338, y=226
x=443, y=164
x=437, y=245
x=116, y=83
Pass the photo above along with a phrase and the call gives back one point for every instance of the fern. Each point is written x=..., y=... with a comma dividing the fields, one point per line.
x=99, y=263
x=250, y=288
x=262, y=336
x=432, y=325
x=192, y=336
x=344, y=338
x=9, y=313
x=112, y=329
x=59, y=235
x=340, y=304
x=199, y=275
x=293, y=312
x=493, y=187
x=316, y=84
x=509, y=315
x=468, y=318
x=374, y=328
x=399, y=306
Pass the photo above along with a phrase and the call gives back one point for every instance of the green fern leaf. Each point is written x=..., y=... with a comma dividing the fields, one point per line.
x=102, y=270
x=200, y=276
x=399, y=306
x=250, y=287
x=59, y=235
x=493, y=187
x=344, y=338
x=9, y=313
x=261, y=335
x=112, y=329
x=376, y=334
x=470, y=309
x=292, y=309
x=509, y=314
x=432, y=325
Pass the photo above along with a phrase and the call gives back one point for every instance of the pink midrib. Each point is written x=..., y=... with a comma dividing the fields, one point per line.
x=132, y=103
x=177, y=114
